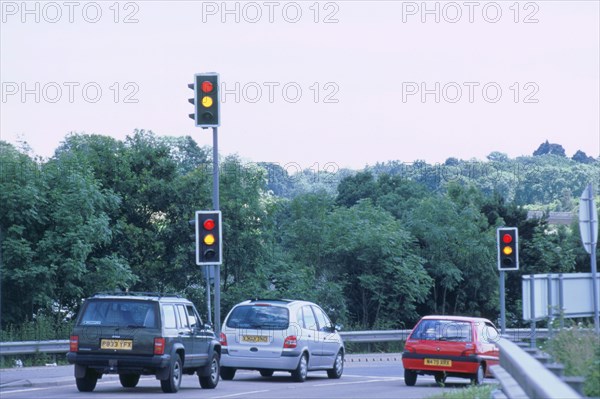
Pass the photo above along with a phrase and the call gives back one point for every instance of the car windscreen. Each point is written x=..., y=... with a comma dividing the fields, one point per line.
x=259, y=317
x=443, y=330
x=119, y=313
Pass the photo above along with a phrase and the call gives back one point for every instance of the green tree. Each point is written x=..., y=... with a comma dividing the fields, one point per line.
x=376, y=260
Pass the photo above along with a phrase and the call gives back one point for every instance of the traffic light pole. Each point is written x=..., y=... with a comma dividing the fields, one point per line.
x=215, y=200
x=502, y=304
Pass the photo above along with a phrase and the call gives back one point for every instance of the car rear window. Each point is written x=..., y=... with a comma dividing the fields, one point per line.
x=119, y=313
x=259, y=317
x=443, y=330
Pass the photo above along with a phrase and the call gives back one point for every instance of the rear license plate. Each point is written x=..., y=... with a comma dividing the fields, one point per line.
x=121, y=344
x=438, y=362
x=255, y=338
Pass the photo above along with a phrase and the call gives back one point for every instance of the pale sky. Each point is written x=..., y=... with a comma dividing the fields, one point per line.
x=312, y=83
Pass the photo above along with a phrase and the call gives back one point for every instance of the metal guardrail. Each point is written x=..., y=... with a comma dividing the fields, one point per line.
x=62, y=346
x=30, y=347
x=522, y=376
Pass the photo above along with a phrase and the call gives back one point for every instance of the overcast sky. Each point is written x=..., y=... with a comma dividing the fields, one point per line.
x=344, y=82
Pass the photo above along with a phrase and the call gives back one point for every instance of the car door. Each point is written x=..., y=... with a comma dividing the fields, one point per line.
x=186, y=336
x=312, y=336
x=487, y=335
x=327, y=337
x=202, y=336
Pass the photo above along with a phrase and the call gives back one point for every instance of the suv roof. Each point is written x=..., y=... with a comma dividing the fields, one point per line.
x=138, y=295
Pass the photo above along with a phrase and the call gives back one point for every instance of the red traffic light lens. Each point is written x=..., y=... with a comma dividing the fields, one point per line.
x=209, y=224
x=507, y=238
x=207, y=86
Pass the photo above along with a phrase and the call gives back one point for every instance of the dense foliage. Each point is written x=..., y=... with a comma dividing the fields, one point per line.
x=376, y=248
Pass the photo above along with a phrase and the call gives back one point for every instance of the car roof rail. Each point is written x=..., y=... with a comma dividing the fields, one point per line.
x=270, y=300
x=137, y=293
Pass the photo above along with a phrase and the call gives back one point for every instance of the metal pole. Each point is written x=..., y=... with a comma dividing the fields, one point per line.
x=215, y=200
x=593, y=260
x=532, y=309
x=561, y=301
x=502, y=304
x=550, y=307
x=207, y=273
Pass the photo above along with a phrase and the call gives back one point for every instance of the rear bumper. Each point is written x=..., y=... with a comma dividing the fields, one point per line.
x=113, y=363
x=286, y=363
x=460, y=364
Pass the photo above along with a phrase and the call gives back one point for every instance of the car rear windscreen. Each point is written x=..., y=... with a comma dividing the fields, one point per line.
x=443, y=330
x=120, y=313
x=259, y=317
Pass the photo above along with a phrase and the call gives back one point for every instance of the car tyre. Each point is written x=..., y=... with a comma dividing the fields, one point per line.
x=227, y=373
x=172, y=384
x=410, y=377
x=299, y=375
x=212, y=379
x=129, y=380
x=88, y=382
x=266, y=373
x=338, y=367
x=477, y=379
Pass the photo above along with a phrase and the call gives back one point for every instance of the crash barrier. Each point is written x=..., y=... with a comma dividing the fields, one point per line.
x=62, y=346
x=522, y=376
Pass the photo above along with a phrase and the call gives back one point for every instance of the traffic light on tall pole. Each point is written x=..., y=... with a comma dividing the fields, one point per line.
x=206, y=100
x=508, y=248
x=209, y=238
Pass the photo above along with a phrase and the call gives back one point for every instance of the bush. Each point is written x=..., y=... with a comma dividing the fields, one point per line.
x=579, y=351
x=592, y=378
x=41, y=328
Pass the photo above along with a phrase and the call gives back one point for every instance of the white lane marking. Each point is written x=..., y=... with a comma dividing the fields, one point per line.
x=360, y=382
x=233, y=395
x=23, y=390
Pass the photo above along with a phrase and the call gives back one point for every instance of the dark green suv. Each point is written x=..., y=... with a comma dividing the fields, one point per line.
x=134, y=334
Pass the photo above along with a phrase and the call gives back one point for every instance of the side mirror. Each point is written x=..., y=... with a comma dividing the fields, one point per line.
x=207, y=326
x=338, y=327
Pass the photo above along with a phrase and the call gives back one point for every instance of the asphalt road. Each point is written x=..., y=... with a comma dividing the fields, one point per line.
x=381, y=378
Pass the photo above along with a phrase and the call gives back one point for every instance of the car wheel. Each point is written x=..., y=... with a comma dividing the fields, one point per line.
x=266, y=373
x=440, y=378
x=171, y=384
x=227, y=373
x=210, y=381
x=299, y=375
x=477, y=379
x=88, y=382
x=338, y=366
x=410, y=377
x=129, y=380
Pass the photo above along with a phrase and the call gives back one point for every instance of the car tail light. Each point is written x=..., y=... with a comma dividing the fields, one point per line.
x=290, y=341
x=74, y=343
x=469, y=350
x=223, y=339
x=159, y=346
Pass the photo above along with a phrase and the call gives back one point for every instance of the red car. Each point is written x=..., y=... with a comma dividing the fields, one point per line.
x=450, y=346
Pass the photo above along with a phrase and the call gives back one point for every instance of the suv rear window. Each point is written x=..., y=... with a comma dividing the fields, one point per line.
x=259, y=317
x=443, y=330
x=119, y=313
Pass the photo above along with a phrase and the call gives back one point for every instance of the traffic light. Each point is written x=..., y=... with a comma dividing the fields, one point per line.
x=209, y=242
x=206, y=100
x=508, y=248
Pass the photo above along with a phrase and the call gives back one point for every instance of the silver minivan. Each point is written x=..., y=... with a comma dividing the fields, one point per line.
x=271, y=335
